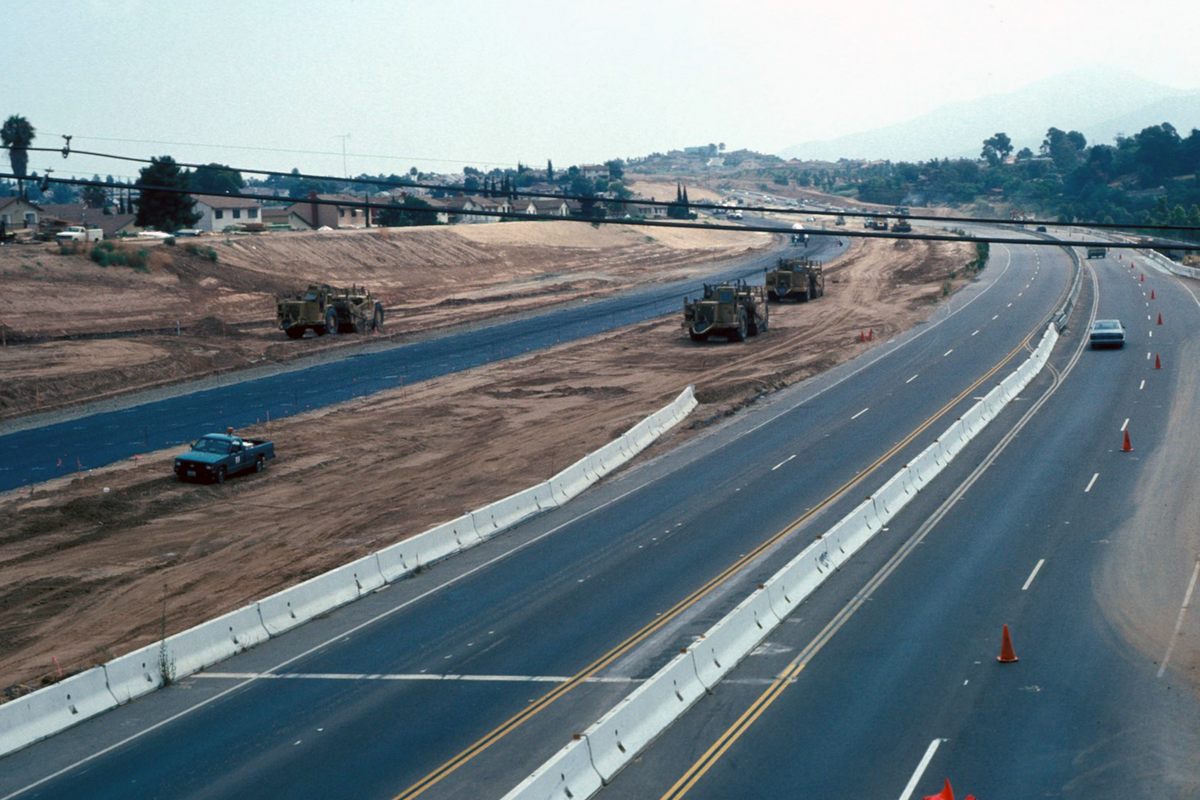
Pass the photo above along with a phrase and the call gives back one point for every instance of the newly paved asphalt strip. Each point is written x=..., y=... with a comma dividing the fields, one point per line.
x=894, y=683
x=31, y=455
x=553, y=596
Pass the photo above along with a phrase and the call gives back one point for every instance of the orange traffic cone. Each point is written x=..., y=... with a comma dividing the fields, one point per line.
x=947, y=793
x=1160, y=318
x=1157, y=363
x=1142, y=279
x=1151, y=294
x=862, y=337
x=870, y=334
x=1126, y=446
x=1007, y=655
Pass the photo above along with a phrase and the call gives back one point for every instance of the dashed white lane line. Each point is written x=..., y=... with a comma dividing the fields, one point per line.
x=924, y=765
x=994, y=316
x=948, y=352
x=1088, y=488
x=859, y=414
x=1009, y=305
x=1147, y=355
x=1143, y=385
x=781, y=463
x=1151, y=334
x=910, y=380
x=1187, y=599
x=975, y=332
x=1033, y=574
x=1125, y=424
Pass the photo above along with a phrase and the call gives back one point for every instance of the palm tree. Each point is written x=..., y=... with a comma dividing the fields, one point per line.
x=17, y=134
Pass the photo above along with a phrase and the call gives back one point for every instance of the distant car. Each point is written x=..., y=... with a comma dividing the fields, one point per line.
x=1107, y=333
x=1041, y=228
x=188, y=232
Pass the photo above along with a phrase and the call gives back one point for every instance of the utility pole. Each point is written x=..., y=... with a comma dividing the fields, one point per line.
x=343, y=137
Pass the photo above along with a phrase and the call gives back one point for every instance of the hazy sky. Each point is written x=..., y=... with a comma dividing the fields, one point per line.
x=438, y=83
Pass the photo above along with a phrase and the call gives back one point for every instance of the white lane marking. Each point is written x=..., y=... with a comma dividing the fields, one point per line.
x=1151, y=334
x=1147, y=318
x=1009, y=305
x=910, y=380
x=948, y=352
x=916, y=777
x=1143, y=385
x=1091, y=483
x=994, y=316
x=1187, y=599
x=976, y=332
x=859, y=414
x=1125, y=424
x=1147, y=355
x=1033, y=574
x=414, y=676
x=1020, y=293
x=781, y=463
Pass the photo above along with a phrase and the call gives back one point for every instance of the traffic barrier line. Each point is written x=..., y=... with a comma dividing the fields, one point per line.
x=48, y=711
x=620, y=735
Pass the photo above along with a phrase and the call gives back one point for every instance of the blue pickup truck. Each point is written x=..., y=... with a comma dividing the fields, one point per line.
x=218, y=456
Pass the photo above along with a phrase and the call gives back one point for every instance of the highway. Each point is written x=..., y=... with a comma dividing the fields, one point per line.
x=887, y=683
x=461, y=680
x=31, y=452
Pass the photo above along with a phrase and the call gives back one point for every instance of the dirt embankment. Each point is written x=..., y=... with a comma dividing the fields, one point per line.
x=225, y=308
x=83, y=571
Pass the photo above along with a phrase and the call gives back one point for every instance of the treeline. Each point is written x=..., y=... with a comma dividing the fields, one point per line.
x=1152, y=177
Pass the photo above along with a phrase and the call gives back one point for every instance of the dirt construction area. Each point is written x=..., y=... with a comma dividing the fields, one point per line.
x=86, y=562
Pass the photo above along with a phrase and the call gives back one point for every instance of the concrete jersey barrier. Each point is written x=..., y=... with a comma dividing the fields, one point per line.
x=618, y=737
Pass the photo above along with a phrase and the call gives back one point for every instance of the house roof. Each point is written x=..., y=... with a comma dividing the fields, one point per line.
x=8, y=201
x=72, y=213
x=218, y=201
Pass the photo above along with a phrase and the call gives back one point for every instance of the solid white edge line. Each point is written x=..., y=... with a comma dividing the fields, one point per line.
x=859, y=414
x=916, y=776
x=1033, y=574
x=1088, y=488
x=1187, y=599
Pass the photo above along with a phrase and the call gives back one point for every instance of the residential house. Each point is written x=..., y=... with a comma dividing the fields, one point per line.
x=593, y=171
x=636, y=209
x=56, y=216
x=543, y=207
x=17, y=213
x=334, y=211
x=218, y=213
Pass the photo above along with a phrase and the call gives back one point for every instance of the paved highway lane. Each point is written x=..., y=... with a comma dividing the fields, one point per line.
x=33, y=454
x=1088, y=554
x=585, y=579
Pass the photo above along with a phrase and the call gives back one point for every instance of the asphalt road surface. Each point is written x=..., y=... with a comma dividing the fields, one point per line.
x=31, y=454
x=461, y=680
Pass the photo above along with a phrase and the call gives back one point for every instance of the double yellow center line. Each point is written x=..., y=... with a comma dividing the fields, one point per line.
x=533, y=709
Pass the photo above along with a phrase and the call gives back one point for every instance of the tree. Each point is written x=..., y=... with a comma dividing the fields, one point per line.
x=616, y=168
x=1063, y=147
x=215, y=179
x=1024, y=154
x=17, y=134
x=94, y=196
x=996, y=148
x=164, y=210
x=549, y=171
x=413, y=211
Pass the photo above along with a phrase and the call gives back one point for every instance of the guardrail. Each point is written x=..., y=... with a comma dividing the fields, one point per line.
x=593, y=758
x=47, y=711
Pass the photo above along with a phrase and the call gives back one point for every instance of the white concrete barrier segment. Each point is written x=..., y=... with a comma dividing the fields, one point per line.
x=892, y=496
x=215, y=640
x=496, y=517
x=568, y=774
x=47, y=711
x=732, y=638
x=637, y=719
x=285, y=610
x=787, y=588
x=571, y=482
x=132, y=675
x=398, y=560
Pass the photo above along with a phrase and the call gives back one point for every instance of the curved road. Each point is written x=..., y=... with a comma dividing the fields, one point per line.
x=462, y=679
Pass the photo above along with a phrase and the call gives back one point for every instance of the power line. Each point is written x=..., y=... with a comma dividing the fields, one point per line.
x=407, y=184
x=516, y=215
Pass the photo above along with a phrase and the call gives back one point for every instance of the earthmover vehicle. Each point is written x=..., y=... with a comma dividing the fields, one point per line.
x=733, y=310
x=795, y=279
x=328, y=309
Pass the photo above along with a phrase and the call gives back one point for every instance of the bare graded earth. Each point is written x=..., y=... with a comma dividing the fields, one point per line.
x=82, y=572
x=427, y=278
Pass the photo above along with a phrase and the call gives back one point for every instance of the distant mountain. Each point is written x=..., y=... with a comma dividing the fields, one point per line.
x=1098, y=101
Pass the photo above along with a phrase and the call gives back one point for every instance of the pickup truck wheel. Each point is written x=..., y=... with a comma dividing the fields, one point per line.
x=221, y=475
x=260, y=464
